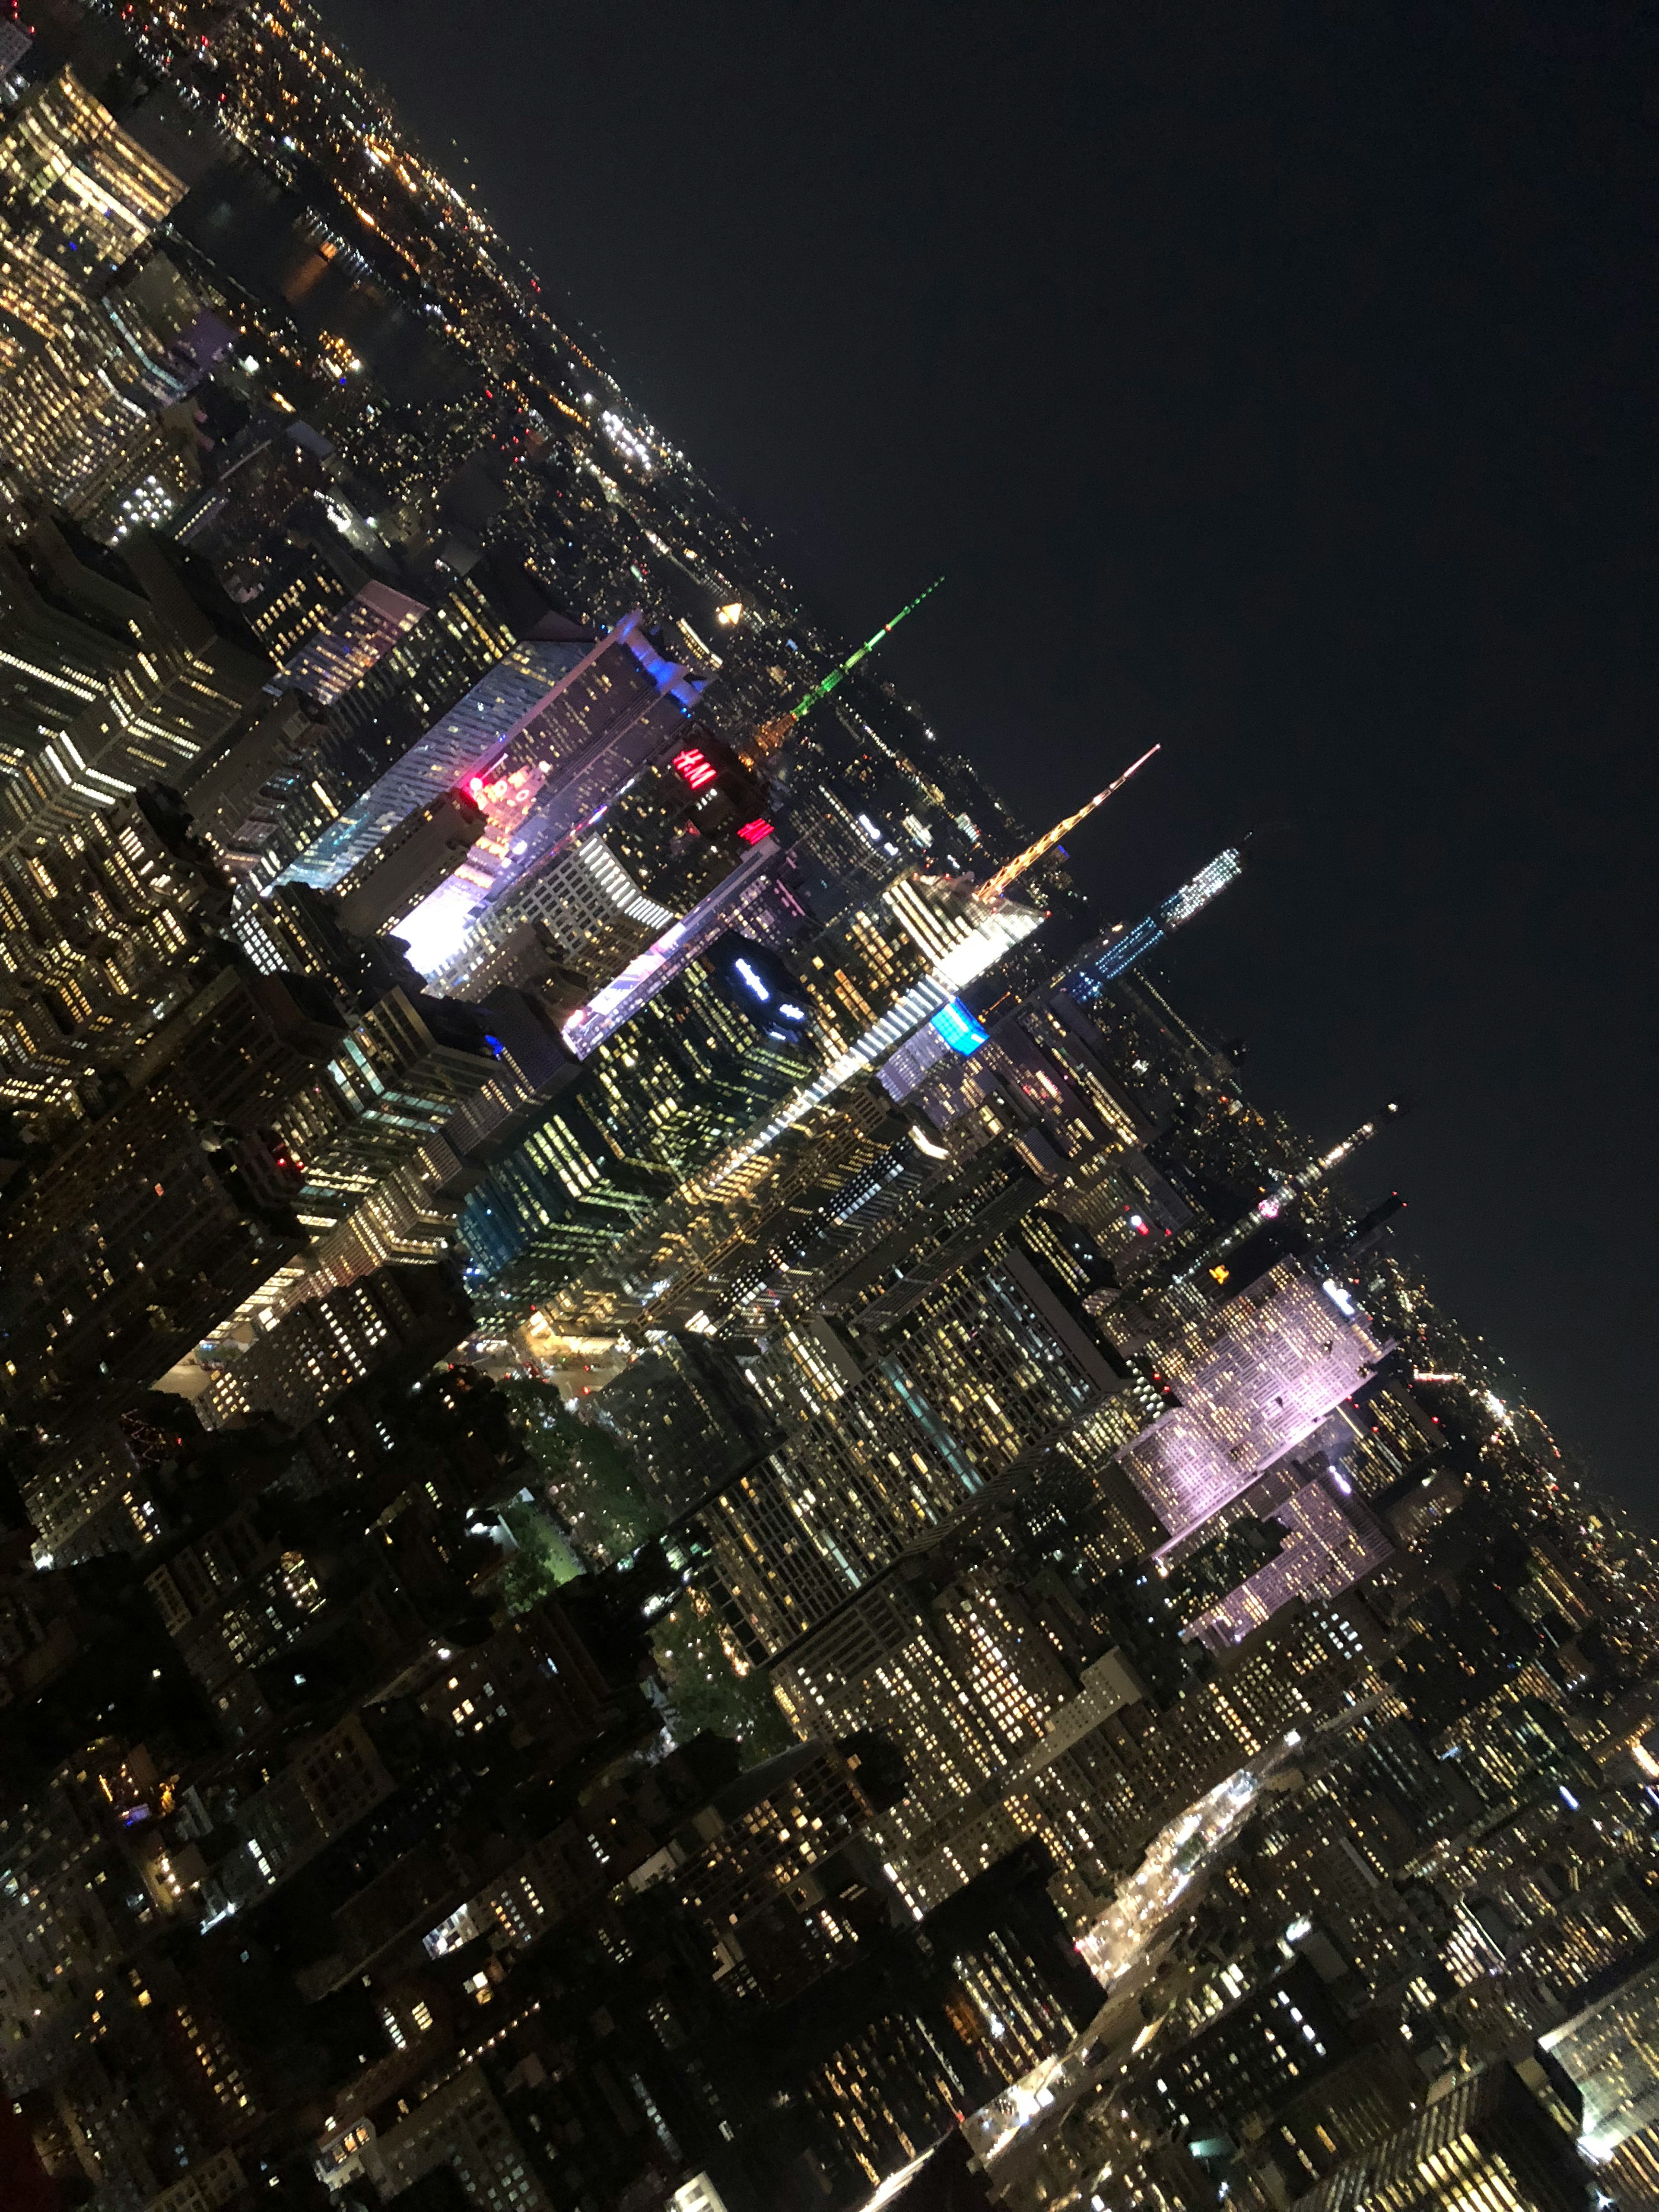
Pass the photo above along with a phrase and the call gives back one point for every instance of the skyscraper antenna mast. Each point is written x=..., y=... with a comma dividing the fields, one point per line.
x=1016, y=867
x=771, y=735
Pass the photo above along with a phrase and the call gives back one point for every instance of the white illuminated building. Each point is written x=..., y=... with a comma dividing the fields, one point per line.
x=991, y=932
x=1611, y=2049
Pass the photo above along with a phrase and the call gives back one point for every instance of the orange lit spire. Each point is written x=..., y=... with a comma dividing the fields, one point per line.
x=1016, y=867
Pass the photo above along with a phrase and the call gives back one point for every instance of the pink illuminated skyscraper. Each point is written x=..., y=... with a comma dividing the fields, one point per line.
x=1254, y=1378
x=1332, y=1541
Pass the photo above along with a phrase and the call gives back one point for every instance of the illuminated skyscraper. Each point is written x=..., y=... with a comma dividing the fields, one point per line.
x=769, y=739
x=1610, y=2050
x=469, y=740
x=1252, y=1379
x=327, y=663
x=666, y=956
x=85, y=182
x=588, y=904
x=106, y=428
x=1490, y=2140
x=83, y=366
x=1332, y=1541
x=133, y=666
x=654, y=1102
x=422, y=852
x=401, y=1073
x=101, y=947
x=558, y=729
x=1117, y=952
x=953, y=1028
x=289, y=774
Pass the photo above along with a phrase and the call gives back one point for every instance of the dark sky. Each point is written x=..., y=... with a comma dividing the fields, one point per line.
x=1274, y=382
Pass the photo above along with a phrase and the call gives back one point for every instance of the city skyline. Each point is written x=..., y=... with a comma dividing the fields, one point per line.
x=1233, y=358
x=701, y=1510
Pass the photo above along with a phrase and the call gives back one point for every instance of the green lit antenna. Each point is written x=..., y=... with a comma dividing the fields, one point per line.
x=769, y=739
x=822, y=690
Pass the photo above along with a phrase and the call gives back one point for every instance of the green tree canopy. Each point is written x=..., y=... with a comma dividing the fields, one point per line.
x=586, y=1473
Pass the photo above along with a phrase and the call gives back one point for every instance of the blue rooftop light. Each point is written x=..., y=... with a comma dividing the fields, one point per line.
x=958, y=1028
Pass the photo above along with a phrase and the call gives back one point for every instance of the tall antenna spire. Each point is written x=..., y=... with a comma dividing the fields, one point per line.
x=1029, y=859
x=771, y=735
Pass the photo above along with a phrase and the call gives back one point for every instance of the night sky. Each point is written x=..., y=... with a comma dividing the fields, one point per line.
x=1274, y=382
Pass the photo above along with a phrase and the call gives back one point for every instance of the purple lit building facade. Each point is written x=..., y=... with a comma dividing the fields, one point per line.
x=1255, y=1378
x=1332, y=1541
x=578, y=719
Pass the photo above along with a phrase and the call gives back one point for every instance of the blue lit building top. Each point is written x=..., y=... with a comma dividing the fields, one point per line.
x=958, y=1028
x=1111, y=957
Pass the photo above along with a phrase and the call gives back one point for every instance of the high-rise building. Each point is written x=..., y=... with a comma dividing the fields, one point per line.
x=1490, y=2138
x=122, y=670
x=327, y=662
x=570, y=723
x=695, y=1512
x=409, y=865
x=106, y=428
x=87, y=362
x=469, y=740
x=113, y=1271
x=325, y=640
x=102, y=944
x=657, y=1101
x=587, y=905
x=400, y=1074
x=1120, y=949
x=398, y=1318
x=1608, y=2049
x=668, y=955
x=1251, y=1378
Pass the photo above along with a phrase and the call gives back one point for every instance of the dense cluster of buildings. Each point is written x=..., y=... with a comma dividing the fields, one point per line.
x=466, y=929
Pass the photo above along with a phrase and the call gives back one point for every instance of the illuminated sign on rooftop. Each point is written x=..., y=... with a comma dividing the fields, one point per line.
x=958, y=1028
x=694, y=767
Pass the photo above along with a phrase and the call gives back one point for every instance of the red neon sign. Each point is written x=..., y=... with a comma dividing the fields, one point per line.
x=696, y=767
x=752, y=832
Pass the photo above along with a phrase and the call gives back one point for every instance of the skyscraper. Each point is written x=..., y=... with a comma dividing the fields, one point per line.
x=1100, y=963
x=328, y=662
x=409, y=864
x=132, y=667
x=1254, y=1378
x=1489, y=2135
x=691, y=1518
x=470, y=739
x=575, y=723
x=89, y=361
x=1607, y=2048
